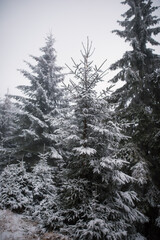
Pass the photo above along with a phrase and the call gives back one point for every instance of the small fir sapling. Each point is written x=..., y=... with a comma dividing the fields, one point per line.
x=15, y=188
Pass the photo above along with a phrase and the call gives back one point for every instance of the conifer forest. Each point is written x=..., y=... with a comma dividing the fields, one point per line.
x=82, y=163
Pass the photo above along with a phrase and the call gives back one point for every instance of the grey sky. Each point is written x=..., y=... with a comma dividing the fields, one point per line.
x=24, y=24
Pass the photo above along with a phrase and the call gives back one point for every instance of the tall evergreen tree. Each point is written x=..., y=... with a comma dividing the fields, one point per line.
x=140, y=72
x=95, y=200
x=6, y=118
x=7, y=127
x=41, y=104
x=138, y=100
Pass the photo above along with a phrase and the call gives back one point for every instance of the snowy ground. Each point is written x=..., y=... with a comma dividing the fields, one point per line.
x=16, y=227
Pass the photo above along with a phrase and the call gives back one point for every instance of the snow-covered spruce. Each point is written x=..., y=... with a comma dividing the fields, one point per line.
x=40, y=106
x=44, y=191
x=96, y=200
x=15, y=188
x=34, y=194
x=138, y=100
x=7, y=127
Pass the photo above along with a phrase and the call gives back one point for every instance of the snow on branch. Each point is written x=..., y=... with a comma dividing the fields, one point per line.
x=85, y=150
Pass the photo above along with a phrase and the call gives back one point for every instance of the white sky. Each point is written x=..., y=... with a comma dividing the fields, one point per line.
x=24, y=24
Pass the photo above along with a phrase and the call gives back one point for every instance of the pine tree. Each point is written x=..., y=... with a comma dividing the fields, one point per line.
x=138, y=100
x=96, y=202
x=40, y=106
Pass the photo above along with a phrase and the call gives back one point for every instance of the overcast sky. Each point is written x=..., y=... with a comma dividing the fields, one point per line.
x=24, y=24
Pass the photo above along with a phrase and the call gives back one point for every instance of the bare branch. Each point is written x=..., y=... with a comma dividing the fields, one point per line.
x=101, y=65
x=104, y=73
x=74, y=86
x=67, y=87
x=70, y=69
x=76, y=65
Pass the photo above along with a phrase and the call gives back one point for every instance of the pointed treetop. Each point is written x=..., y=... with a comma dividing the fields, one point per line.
x=85, y=72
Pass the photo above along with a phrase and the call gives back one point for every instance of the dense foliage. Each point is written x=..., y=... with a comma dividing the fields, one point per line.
x=96, y=201
x=40, y=106
x=7, y=127
x=138, y=100
x=89, y=164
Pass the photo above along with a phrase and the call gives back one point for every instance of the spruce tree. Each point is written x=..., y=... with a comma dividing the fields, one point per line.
x=96, y=202
x=7, y=127
x=15, y=188
x=44, y=192
x=40, y=105
x=138, y=100
x=5, y=118
x=32, y=193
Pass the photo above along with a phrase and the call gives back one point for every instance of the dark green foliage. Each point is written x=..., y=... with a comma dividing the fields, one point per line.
x=138, y=100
